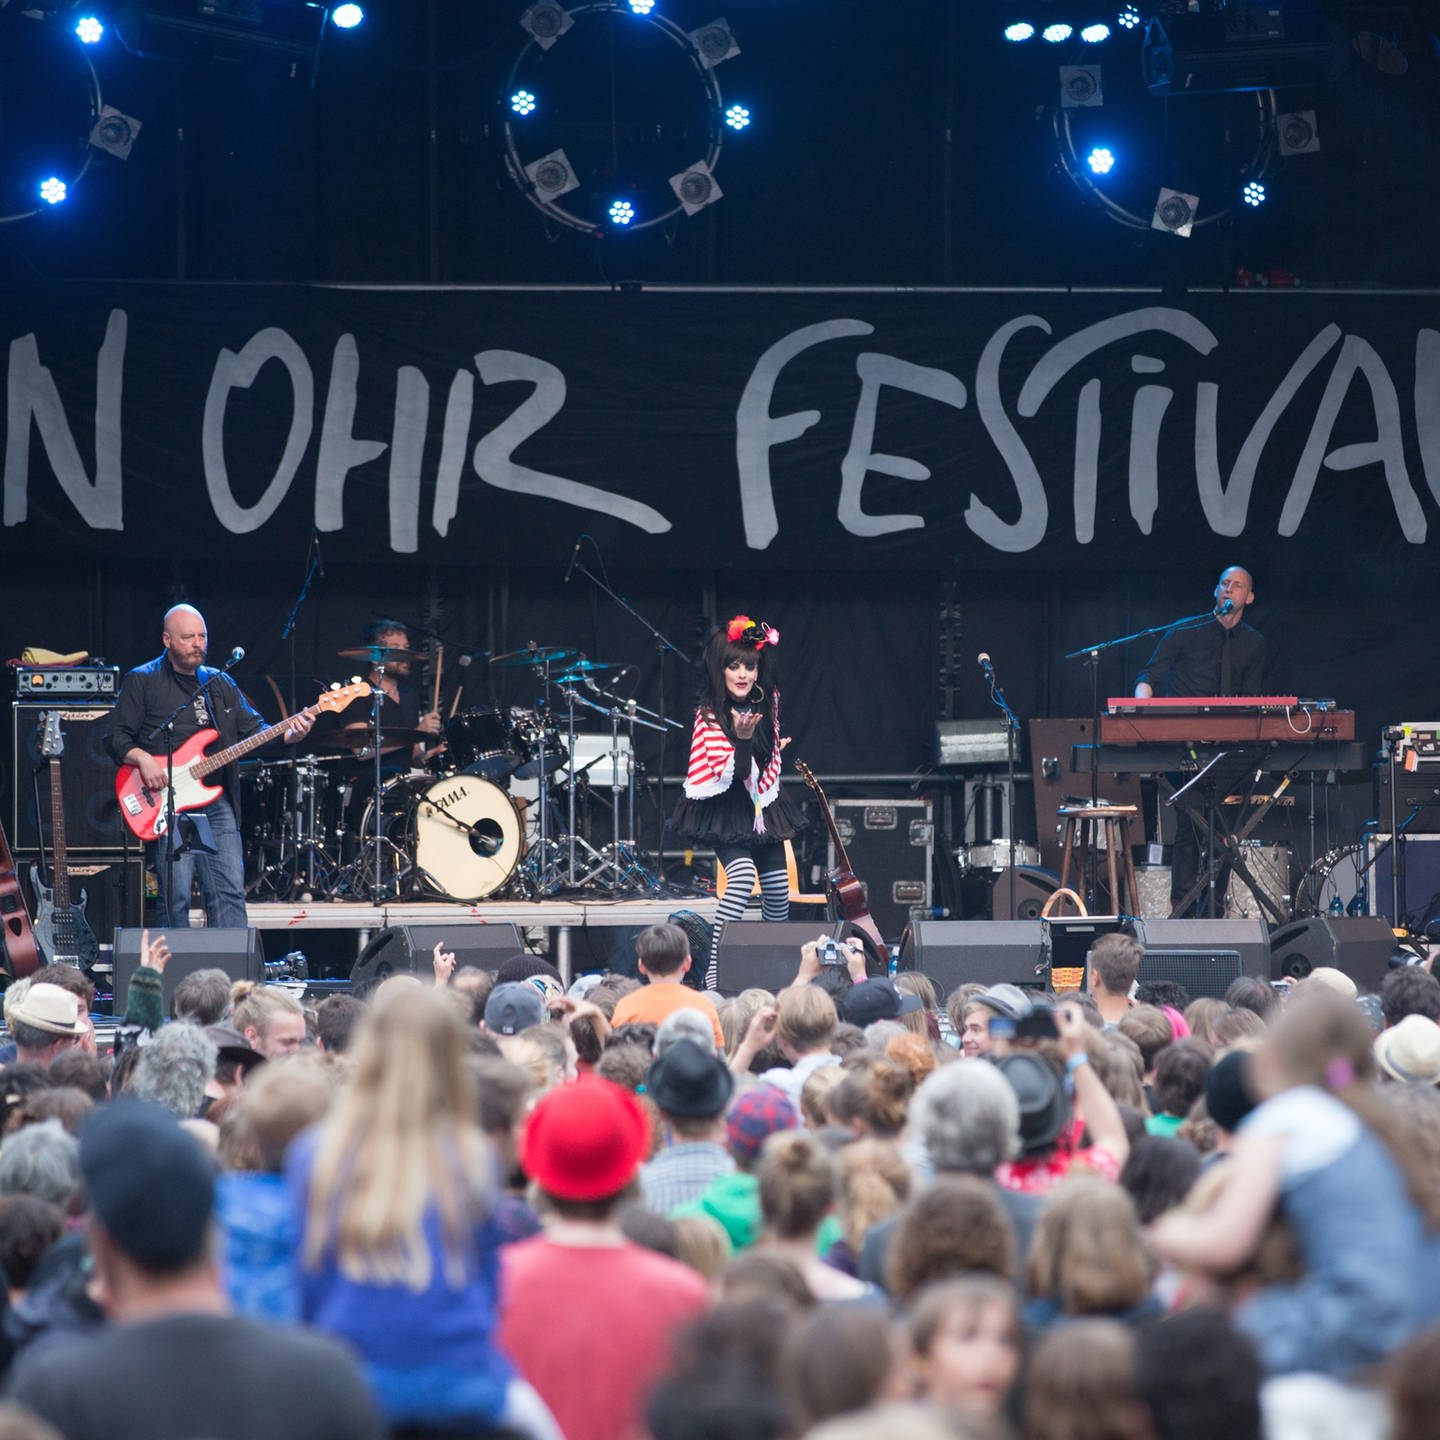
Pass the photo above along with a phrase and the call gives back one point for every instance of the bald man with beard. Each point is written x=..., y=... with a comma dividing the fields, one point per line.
x=207, y=699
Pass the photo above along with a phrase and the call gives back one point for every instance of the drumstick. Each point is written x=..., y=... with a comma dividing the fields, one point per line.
x=439, y=668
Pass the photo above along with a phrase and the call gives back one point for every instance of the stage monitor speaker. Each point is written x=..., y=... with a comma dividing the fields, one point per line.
x=1202, y=973
x=764, y=954
x=1358, y=945
x=87, y=780
x=983, y=952
x=235, y=951
x=409, y=949
x=1247, y=937
x=1033, y=887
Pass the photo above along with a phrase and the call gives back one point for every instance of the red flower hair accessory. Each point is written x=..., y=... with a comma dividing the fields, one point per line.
x=742, y=630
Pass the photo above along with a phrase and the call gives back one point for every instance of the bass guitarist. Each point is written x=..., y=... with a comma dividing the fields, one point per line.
x=207, y=699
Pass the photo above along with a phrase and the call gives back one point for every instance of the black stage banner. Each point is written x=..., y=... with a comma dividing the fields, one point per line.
x=944, y=430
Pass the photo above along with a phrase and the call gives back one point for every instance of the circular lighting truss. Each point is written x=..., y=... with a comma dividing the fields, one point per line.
x=49, y=105
x=1208, y=146
x=622, y=118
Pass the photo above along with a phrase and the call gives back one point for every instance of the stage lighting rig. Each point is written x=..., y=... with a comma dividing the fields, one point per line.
x=628, y=106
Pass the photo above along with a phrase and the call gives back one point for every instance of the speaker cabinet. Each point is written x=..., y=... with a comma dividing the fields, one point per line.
x=409, y=949
x=983, y=952
x=764, y=954
x=1203, y=973
x=1358, y=945
x=114, y=891
x=1033, y=887
x=1248, y=938
x=1420, y=892
x=87, y=780
x=235, y=951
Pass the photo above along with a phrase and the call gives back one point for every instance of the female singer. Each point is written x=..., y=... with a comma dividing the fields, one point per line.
x=733, y=800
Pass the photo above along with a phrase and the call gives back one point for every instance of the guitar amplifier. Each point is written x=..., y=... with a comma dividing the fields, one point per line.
x=891, y=844
x=87, y=779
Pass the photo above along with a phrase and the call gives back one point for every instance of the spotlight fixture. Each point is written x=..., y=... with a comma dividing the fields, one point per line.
x=522, y=102
x=695, y=188
x=1018, y=31
x=1128, y=18
x=737, y=117
x=642, y=7
x=622, y=212
x=347, y=16
x=115, y=133
x=1096, y=33
x=546, y=22
x=1175, y=211
x=1080, y=85
x=89, y=30
x=1253, y=193
x=551, y=175
x=715, y=43
x=1057, y=33
x=53, y=190
x=1296, y=133
x=1101, y=160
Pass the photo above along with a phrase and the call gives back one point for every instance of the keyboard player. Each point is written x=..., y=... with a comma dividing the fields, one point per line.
x=1218, y=655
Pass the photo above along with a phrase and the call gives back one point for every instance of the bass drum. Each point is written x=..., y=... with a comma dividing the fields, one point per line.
x=462, y=834
x=1334, y=876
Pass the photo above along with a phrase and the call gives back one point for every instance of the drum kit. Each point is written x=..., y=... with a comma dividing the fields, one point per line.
x=319, y=828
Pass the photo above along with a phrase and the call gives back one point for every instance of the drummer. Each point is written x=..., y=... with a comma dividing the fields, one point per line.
x=391, y=658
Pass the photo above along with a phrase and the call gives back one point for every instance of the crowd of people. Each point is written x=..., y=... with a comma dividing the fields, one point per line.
x=485, y=1204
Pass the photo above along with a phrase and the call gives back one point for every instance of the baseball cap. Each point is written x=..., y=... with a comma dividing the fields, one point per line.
x=514, y=1007
x=879, y=999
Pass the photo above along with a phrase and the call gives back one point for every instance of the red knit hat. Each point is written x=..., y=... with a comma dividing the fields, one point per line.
x=585, y=1141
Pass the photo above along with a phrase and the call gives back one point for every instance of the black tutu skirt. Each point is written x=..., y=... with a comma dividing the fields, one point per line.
x=729, y=819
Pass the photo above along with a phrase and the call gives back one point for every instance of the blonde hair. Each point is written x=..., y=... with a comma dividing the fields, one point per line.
x=285, y=1097
x=1088, y=1253
x=737, y=1013
x=254, y=1006
x=702, y=1244
x=403, y=1140
x=815, y=1095
x=874, y=1182
x=805, y=1018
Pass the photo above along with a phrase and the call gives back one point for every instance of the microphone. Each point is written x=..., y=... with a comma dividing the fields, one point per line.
x=1226, y=606
x=574, y=556
x=236, y=656
x=984, y=659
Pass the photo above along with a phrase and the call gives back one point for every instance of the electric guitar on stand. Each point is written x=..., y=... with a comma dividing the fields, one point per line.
x=145, y=811
x=62, y=932
x=845, y=890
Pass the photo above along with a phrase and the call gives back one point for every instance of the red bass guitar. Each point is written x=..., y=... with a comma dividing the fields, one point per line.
x=145, y=812
x=844, y=888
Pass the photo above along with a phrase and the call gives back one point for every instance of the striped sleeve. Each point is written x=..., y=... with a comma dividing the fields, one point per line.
x=712, y=760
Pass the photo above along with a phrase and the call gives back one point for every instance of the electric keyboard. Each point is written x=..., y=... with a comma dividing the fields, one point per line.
x=1223, y=720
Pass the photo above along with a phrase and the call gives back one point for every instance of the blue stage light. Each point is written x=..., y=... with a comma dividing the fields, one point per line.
x=1101, y=160
x=1058, y=33
x=522, y=102
x=1254, y=193
x=89, y=29
x=1129, y=17
x=1095, y=34
x=347, y=17
x=737, y=117
x=53, y=190
x=622, y=212
x=642, y=7
x=1019, y=31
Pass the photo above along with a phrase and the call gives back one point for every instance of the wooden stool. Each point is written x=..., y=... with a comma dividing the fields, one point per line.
x=1082, y=825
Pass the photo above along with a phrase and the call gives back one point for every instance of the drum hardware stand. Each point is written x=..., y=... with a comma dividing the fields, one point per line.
x=572, y=839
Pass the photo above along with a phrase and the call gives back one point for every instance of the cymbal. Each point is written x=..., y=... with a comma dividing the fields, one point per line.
x=363, y=739
x=380, y=654
x=581, y=668
x=534, y=655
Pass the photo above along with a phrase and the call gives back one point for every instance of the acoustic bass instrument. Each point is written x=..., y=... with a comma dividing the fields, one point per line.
x=845, y=889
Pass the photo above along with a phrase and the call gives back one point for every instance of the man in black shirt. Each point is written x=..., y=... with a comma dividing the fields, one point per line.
x=209, y=700
x=1220, y=655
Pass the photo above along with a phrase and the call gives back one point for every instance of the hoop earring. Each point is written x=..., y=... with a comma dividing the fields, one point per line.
x=757, y=692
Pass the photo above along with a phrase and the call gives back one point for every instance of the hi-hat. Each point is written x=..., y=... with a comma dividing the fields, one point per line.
x=380, y=654
x=581, y=668
x=533, y=655
x=365, y=739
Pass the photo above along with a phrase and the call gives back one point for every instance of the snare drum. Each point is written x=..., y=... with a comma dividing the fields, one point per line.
x=463, y=834
x=485, y=743
x=997, y=855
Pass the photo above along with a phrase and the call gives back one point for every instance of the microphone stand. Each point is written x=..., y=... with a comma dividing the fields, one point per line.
x=1091, y=655
x=1012, y=727
x=662, y=645
x=313, y=566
